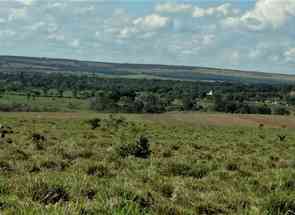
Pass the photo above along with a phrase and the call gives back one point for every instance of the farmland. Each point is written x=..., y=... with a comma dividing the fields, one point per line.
x=171, y=163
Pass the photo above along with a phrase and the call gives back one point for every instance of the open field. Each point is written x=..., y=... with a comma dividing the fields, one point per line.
x=172, y=163
x=41, y=104
x=191, y=119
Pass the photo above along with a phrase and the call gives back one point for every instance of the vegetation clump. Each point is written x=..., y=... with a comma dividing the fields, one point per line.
x=94, y=123
x=5, y=167
x=5, y=130
x=140, y=148
x=36, y=137
x=99, y=170
x=46, y=194
x=89, y=193
x=281, y=203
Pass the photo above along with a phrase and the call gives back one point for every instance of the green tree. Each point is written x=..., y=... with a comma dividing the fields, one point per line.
x=150, y=103
x=103, y=102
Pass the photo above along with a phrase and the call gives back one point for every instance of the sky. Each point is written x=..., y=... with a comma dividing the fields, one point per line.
x=236, y=34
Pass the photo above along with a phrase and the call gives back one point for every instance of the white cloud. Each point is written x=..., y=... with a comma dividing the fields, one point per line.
x=56, y=5
x=126, y=32
x=195, y=11
x=191, y=45
x=231, y=22
x=266, y=13
x=199, y=12
x=224, y=9
x=290, y=55
x=270, y=12
x=142, y=27
x=153, y=21
x=173, y=8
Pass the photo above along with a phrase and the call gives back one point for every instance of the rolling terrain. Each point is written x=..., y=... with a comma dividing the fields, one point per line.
x=124, y=70
x=130, y=164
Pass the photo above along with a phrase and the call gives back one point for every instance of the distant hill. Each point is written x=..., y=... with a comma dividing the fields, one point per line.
x=124, y=70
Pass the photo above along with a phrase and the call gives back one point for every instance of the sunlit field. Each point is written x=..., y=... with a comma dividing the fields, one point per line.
x=174, y=163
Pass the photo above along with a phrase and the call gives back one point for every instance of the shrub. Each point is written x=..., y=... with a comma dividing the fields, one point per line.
x=140, y=148
x=232, y=167
x=36, y=137
x=94, y=123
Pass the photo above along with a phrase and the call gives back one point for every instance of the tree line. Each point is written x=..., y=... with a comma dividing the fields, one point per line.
x=152, y=96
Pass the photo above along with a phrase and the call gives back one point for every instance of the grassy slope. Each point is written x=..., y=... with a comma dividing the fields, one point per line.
x=25, y=64
x=197, y=165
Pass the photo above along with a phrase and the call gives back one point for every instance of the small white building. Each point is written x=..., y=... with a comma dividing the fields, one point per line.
x=210, y=93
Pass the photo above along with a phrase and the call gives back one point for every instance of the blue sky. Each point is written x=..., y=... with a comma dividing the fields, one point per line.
x=238, y=34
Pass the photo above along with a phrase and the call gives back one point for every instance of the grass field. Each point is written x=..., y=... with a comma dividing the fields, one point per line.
x=172, y=163
x=43, y=104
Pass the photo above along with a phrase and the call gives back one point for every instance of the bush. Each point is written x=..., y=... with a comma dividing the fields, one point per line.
x=232, y=167
x=36, y=137
x=140, y=148
x=94, y=123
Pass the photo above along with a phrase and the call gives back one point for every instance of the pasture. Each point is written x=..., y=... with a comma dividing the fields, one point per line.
x=172, y=163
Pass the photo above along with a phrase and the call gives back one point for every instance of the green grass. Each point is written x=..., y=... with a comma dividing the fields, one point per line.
x=59, y=165
x=43, y=104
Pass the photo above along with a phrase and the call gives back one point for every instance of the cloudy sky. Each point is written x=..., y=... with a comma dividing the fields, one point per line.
x=241, y=34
